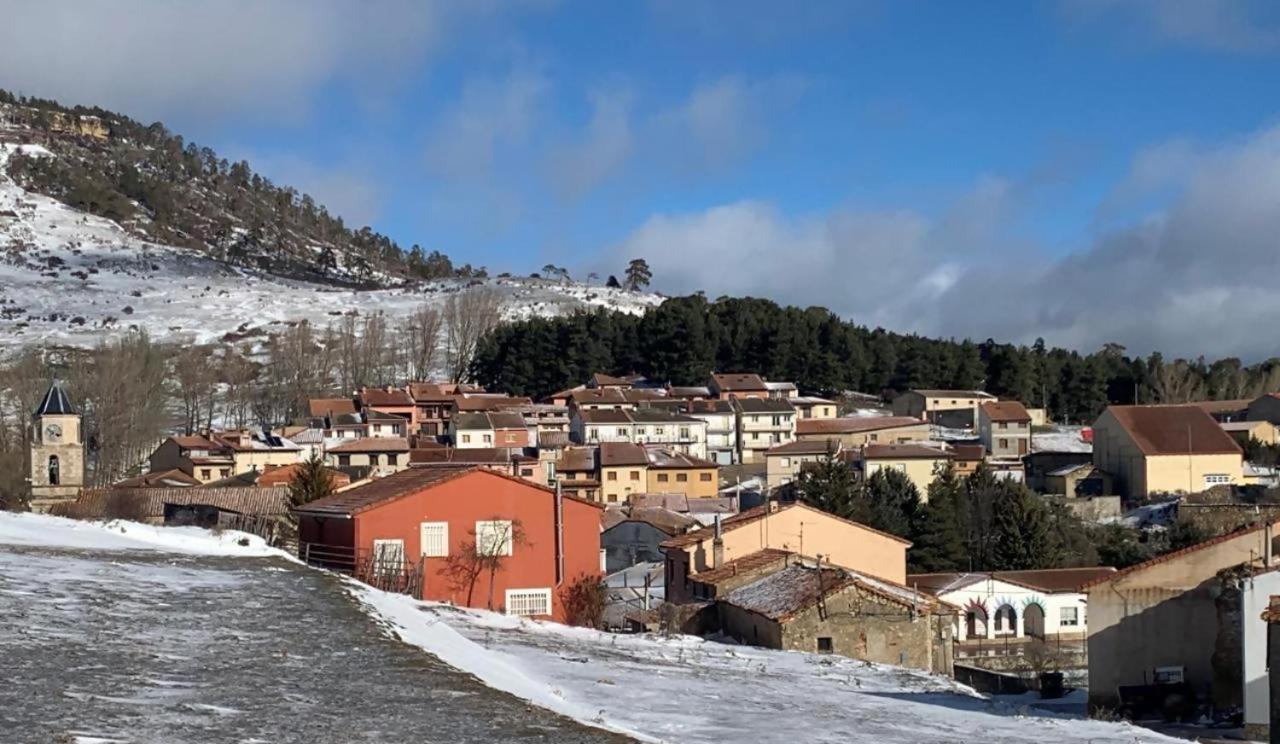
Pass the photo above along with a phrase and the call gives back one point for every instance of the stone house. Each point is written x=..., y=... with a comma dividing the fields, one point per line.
x=833, y=610
x=1165, y=613
x=1164, y=449
x=1078, y=481
x=855, y=431
x=954, y=408
x=1038, y=465
x=796, y=528
x=1005, y=428
x=763, y=423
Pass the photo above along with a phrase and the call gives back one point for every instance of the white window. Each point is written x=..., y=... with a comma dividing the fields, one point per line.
x=388, y=553
x=435, y=539
x=641, y=431
x=493, y=537
x=528, y=602
x=785, y=462
x=466, y=438
x=684, y=432
x=488, y=439
x=622, y=432
x=1068, y=616
x=1216, y=479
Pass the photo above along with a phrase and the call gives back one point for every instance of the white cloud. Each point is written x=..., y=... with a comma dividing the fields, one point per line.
x=603, y=149
x=722, y=120
x=183, y=60
x=1197, y=278
x=1237, y=26
x=493, y=116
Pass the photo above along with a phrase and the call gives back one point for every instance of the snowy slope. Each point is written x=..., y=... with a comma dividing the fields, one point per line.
x=67, y=277
x=42, y=530
x=685, y=689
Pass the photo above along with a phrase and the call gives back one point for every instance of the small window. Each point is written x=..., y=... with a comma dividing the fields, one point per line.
x=682, y=477
x=622, y=432
x=466, y=439
x=824, y=645
x=1216, y=479
x=755, y=435
x=205, y=473
x=526, y=472
x=529, y=602
x=684, y=432
x=388, y=555
x=784, y=462
x=55, y=476
x=488, y=439
x=1068, y=616
x=777, y=421
x=705, y=477
x=635, y=475
x=662, y=477
x=435, y=539
x=493, y=537
x=225, y=473
x=1004, y=443
x=344, y=461
x=612, y=475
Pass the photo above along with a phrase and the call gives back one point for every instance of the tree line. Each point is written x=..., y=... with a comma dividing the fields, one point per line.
x=684, y=339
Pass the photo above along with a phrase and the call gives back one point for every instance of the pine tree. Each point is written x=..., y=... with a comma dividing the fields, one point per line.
x=830, y=485
x=892, y=502
x=938, y=543
x=1022, y=536
x=638, y=274
x=312, y=481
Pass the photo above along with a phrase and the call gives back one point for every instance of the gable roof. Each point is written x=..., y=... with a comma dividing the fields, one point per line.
x=488, y=402
x=763, y=405
x=55, y=403
x=320, y=407
x=662, y=519
x=903, y=452
x=855, y=424
x=1174, y=430
x=1007, y=410
x=1137, y=567
x=577, y=459
x=1050, y=580
x=450, y=455
x=283, y=475
x=149, y=502
x=599, y=379
x=666, y=458
x=751, y=516
x=373, y=444
x=173, y=478
x=739, y=381
x=382, y=397
x=788, y=592
x=749, y=562
x=805, y=447
x=618, y=454
x=472, y=422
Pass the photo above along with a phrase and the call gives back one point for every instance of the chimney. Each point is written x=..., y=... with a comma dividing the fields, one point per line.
x=717, y=546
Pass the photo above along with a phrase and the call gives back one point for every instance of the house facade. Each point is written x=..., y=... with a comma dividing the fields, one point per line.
x=1163, y=614
x=1164, y=449
x=641, y=426
x=377, y=456
x=1005, y=428
x=809, y=407
x=1259, y=591
x=920, y=463
x=954, y=408
x=1243, y=431
x=855, y=431
x=763, y=423
x=722, y=428
x=446, y=517
x=734, y=385
x=198, y=456
x=784, y=462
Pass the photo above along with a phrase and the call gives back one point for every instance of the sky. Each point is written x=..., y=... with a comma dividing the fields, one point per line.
x=1083, y=171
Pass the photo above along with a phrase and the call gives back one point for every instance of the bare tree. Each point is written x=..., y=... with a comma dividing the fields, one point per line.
x=468, y=316
x=195, y=385
x=239, y=374
x=1177, y=382
x=423, y=342
x=483, y=553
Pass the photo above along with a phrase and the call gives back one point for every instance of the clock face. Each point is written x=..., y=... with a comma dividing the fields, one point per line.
x=53, y=431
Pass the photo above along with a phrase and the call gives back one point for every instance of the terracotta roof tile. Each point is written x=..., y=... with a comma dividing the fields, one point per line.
x=1174, y=430
x=1007, y=410
x=373, y=444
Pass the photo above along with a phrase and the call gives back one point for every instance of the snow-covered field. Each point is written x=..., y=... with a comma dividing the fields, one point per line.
x=685, y=689
x=652, y=688
x=67, y=277
x=1060, y=438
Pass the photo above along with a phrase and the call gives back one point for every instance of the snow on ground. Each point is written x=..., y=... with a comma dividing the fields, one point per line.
x=686, y=689
x=67, y=277
x=1060, y=438
x=42, y=530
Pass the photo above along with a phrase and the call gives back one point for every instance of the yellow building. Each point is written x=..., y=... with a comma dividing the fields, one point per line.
x=855, y=431
x=920, y=463
x=627, y=469
x=1242, y=431
x=946, y=407
x=1164, y=449
x=784, y=462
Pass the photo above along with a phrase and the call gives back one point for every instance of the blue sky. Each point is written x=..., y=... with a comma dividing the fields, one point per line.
x=910, y=153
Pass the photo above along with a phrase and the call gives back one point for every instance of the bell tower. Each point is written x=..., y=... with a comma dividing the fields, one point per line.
x=57, y=451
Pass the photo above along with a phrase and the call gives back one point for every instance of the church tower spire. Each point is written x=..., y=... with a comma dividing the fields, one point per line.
x=57, y=450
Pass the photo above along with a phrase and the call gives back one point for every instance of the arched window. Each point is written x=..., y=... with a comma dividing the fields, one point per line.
x=53, y=470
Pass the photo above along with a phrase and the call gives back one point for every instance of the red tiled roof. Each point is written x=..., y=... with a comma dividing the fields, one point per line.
x=902, y=452
x=1174, y=430
x=854, y=424
x=577, y=459
x=283, y=475
x=489, y=402
x=318, y=407
x=470, y=456
x=618, y=454
x=373, y=444
x=195, y=441
x=381, y=397
x=805, y=447
x=1178, y=554
x=1007, y=410
x=739, y=381
x=749, y=562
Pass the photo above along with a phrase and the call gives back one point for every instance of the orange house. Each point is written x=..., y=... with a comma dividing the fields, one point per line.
x=449, y=515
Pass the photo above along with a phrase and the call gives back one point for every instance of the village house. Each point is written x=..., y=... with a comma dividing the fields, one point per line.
x=256, y=450
x=953, y=408
x=370, y=456
x=796, y=528
x=634, y=534
x=1078, y=481
x=784, y=391
x=812, y=608
x=1164, y=449
x=1264, y=408
x=966, y=458
x=623, y=468
x=506, y=429
x=164, y=479
x=641, y=426
x=1225, y=411
x=612, y=398
x=319, y=408
x=390, y=400
x=920, y=463
x=689, y=392
x=784, y=462
x=545, y=418
x=1038, y=465
x=763, y=423
x=855, y=431
x=196, y=455
x=1005, y=428
x=497, y=459
x=434, y=404
x=627, y=469
x=722, y=428
x=1160, y=619
x=537, y=540
x=809, y=408
x=386, y=424
x=578, y=472
x=1264, y=432
x=281, y=476
x=736, y=385
x=1014, y=607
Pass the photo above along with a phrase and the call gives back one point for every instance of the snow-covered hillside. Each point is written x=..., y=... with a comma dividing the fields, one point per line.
x=70, y=278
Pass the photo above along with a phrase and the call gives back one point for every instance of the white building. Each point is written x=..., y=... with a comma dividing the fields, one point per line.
x=1256, y=593
x=641, y=426
x=722, y=428
x=1044, y=604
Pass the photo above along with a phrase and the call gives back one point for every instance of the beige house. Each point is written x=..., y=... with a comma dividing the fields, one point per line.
x=795, y=528
x=627, y=469
x=578, y=473
x=808, y=407
x=920, y=463
x=1161, y=618
x=958, y=408
x=255, y=451
x=763, y=423
x=1005, y=428
x=855, y=431
x=198, y=456
x=1242, y=431
x=623, y=471
x=381, y=455
x=731, y=385
x=1164, y=449
x=784, y=462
